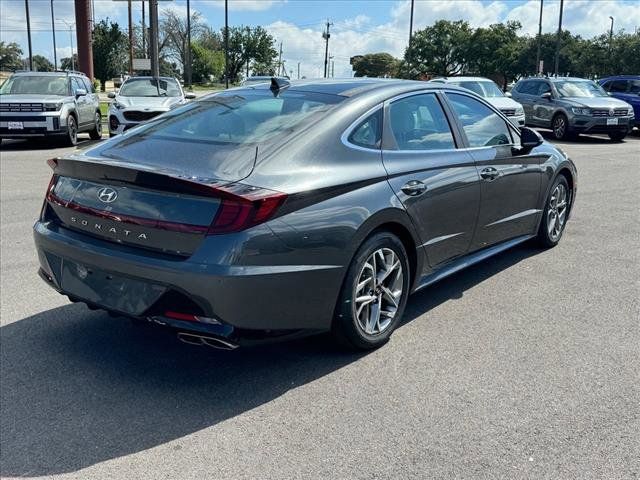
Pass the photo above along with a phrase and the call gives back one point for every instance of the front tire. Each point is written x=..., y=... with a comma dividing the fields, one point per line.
x=96, y=133
x=554, y=216
x=617, y=136
x=374, y=293
x=72, y=132
x=560, y=127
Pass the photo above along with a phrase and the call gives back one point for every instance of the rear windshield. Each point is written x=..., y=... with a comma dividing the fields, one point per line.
x=240, y=117
x=36, y=85
x=150, y=87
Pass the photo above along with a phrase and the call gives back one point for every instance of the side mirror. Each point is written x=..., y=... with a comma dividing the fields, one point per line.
x=111, y=95
x=81, y=92
x=189, y=96
x=529, y=139
x=507, y=94
x=546, y=95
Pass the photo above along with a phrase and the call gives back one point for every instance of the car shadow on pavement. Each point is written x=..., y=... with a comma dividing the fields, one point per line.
x=43, y=144
x=79, y=387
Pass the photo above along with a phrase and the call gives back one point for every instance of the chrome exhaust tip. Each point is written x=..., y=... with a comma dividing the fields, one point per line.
x=213, y=342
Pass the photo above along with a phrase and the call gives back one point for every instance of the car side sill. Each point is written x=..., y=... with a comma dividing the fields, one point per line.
x=468, y=260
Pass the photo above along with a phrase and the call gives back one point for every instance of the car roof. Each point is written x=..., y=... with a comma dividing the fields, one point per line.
x=57, y=73
x=351, y=87
x=462, y=79
x=148, y=77
x=621, y=77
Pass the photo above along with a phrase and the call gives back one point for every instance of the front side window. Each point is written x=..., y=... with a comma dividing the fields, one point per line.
x=634, y=86
x=419, y=123
x=368, y=134
x=36, y=85
x=150, y=87
x=483, y=126
x=543, y=88
x=618, y=86
x=76, y=85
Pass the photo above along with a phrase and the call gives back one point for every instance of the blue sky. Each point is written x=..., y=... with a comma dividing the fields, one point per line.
x=360, y=26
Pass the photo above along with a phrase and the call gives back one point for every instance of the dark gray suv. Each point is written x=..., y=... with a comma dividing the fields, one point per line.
x=570, y=106
x=264, y=212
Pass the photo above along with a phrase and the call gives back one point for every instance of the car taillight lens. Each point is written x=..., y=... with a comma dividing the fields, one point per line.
x=52, y=184
x=243, y=206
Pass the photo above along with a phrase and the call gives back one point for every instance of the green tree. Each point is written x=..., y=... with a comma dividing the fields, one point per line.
x=110, y=47
x=67, y=64
x=249, y=45
x=376, y=65
x=441, y=49
x=10, y=57
x=42, y=64
x=495, y=51
x=206, y=63
x=174, y=28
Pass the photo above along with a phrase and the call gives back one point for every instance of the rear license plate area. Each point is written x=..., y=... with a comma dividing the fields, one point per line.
x=109, y=290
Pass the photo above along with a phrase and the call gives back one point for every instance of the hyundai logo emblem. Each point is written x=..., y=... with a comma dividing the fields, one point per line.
x=107, y=195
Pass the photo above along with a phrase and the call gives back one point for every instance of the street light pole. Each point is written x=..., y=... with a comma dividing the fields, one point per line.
x=326, y=35
x=187, y=56
x=70, y=25
x=538, y=69
x=557, y=65
x=130, y=38
x=53, y=29
x=153, y=38
x=611, y=44
x=226, y=43
x=410, y=31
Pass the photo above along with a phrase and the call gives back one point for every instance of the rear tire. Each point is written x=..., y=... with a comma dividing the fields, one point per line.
x=96, y=133
x=554, y=216
x=374, y=293
x=617, y=136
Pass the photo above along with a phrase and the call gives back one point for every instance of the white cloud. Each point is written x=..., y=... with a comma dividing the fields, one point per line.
x=246, y=5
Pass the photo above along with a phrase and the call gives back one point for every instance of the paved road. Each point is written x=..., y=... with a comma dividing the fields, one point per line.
x=526, y=366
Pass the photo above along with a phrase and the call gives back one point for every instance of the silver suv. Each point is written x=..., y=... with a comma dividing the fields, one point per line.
x=49, y=104
x=570, y=106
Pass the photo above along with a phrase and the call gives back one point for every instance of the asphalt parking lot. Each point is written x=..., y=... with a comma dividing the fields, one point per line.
x=524, y=366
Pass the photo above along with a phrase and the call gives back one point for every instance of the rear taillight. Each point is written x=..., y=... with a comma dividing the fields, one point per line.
x=52, y=184
x=243, y=206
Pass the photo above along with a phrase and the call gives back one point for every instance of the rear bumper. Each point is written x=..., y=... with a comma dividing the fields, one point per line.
x=119, y=279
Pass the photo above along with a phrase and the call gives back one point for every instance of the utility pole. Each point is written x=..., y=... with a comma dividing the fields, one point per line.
x=298, y=70
x=53, y=29
x=538, y=69
x=187, y=53
x=611, y=44
x=83, y=37
x=326, y=35
x=557, y=65
x=153, y=38
x=410, y=32
x=70, y=25
x=130, y=38
x=226, y=43
x=280, y=60
x=333, y=67
x=144, y=34
x=26, y=8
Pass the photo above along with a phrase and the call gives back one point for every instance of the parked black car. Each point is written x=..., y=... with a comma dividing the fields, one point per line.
x=570, y=106
x=265, y=212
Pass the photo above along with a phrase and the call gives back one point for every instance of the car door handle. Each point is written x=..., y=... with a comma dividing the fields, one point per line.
x=489, y=173
x=414, y=188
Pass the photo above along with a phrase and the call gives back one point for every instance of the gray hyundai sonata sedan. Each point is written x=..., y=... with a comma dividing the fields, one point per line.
x=285, y=209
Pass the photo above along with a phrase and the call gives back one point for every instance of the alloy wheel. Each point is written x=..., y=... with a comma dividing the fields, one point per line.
x=378, y=291
x=73, y=131
x=559, y=126
x=98, y=121
x=557, y=212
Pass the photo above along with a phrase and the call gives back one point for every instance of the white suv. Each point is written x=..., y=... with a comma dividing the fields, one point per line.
x=491, y=93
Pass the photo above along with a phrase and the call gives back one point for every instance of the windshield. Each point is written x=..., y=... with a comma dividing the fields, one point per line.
x=36, y=85
x=484, y=89
x=150, y=87
x=240, y=118
x=585, y=89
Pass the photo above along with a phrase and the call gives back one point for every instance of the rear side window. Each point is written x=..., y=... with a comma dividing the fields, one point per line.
x=368, y=134
x=241, y=117
x=482, y=126
x=419, y=123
